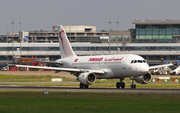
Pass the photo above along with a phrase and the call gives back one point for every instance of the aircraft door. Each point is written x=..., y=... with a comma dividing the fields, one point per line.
x=124, y=62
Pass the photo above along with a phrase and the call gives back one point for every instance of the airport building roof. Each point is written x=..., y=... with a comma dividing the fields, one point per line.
x=164, y=21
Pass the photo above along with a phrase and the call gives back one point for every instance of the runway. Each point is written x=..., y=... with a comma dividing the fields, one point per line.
x=91, y=89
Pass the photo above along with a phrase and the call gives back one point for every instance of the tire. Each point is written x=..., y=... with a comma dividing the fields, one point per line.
x=123, y=85
x=118, y=85
x=86, y=86
x=134, y=86
x=81, y=86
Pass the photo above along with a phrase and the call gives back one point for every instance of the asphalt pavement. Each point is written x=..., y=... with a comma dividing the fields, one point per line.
x=91, y=89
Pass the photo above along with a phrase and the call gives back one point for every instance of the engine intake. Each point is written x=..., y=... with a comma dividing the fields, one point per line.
x=87, y=78
x=144, y=79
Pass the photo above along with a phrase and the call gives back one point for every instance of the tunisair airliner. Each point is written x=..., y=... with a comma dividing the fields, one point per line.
x=89, y=68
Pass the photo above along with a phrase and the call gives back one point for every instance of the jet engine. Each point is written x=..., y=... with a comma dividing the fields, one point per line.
x=87, y=78
x=144, y=79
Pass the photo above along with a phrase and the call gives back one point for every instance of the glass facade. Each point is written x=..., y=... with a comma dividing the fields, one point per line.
x=98, y=48
x=156, y=32
x=114, y=38
x=90, y=48
x=55, y=57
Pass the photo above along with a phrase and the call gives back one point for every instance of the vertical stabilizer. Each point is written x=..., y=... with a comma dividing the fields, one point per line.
x=65, y=46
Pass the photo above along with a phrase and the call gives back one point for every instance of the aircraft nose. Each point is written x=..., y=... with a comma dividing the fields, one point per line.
x=145, y=68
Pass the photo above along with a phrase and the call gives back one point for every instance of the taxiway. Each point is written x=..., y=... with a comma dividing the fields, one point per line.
x=91, y=89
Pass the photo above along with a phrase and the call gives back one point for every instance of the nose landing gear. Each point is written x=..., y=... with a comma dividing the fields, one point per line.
x=133, y=86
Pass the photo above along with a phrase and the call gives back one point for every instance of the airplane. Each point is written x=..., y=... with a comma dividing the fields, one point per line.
x=89, y=68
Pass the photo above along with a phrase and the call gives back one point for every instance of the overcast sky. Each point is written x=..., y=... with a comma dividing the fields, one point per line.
x=43, y=14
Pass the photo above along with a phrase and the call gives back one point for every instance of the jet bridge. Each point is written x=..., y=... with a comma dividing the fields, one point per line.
x=164, y=70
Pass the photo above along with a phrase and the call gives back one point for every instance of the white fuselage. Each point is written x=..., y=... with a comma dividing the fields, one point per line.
x=115, y=66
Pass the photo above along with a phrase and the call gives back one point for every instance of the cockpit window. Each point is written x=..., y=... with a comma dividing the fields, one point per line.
x=132, y=61
x=144, y=61
x=140, y=61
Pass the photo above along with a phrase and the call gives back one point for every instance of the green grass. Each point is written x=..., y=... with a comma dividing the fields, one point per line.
x=33, y=78
x=65, y=102
x=44, y=79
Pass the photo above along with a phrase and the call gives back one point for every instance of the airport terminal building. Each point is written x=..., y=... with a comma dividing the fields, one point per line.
x=157, y=31
x=155, y=40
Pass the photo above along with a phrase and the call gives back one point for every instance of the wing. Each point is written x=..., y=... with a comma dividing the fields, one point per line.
x=158, y=66
x=71, y=70
x=57, y=63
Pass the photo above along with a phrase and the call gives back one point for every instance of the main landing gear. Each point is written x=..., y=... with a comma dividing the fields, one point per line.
x=133, y=86
x=81, y=85
x=120, y=84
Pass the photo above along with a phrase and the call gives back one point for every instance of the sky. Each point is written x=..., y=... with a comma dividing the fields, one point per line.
x=43, y=14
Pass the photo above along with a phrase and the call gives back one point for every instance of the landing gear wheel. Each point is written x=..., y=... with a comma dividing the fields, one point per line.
x=86, y=86
x=83, y=86
x=118, y=85
x=133, y=86
x=122, y=85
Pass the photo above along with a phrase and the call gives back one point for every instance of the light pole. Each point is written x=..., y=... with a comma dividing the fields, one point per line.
x=109, y=35
x=21, y=37
x=70, y=28
x=12, y=38
x=117, y=34
x=7, y=29
x=58, y=20
x=20, y=23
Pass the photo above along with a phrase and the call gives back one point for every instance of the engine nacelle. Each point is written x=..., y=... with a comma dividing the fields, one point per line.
x=144, y=79
x=87, y=78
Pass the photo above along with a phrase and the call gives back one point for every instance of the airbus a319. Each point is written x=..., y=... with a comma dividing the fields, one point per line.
x=89, y=68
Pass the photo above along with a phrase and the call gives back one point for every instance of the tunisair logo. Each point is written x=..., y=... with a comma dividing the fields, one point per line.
x=113, y=59
x=75, y=60
x=95, y=59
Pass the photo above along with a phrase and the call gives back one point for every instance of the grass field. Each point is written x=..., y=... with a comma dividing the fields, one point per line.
x=45, y=80
x=65, y=102
x=55, y=102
